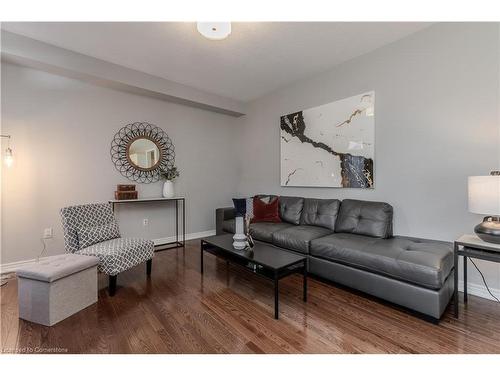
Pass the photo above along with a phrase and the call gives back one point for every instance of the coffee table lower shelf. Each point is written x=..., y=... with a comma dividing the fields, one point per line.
x=270, y=273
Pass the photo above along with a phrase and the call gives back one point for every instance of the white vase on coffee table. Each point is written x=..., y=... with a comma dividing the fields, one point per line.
x=239, y=238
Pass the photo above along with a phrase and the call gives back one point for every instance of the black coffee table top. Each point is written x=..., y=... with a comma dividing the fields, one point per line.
x=263, y=254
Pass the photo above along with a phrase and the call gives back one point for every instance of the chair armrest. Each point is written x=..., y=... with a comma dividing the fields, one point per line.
x=222, y=214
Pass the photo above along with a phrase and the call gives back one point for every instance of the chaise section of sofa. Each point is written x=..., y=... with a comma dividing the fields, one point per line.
x=421, y=262
x=352, y=243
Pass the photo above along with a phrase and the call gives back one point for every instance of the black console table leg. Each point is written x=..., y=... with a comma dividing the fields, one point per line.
x=276, y=297
x=465, y=279
x=176, y=223
x=304, y=285
x=183, y=223
x=455, y=277
x=201, y=257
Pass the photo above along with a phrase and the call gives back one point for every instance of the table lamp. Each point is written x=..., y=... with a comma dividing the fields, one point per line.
x=484, y=199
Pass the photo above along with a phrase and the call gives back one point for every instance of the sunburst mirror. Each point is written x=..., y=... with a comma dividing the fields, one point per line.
x=140, y=151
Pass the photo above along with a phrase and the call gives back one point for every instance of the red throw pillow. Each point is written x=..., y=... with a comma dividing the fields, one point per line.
x=263, y=212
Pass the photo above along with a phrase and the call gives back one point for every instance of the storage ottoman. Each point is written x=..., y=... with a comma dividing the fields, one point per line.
x=56, y=287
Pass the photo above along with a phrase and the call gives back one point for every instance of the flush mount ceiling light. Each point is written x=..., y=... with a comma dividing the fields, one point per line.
x=214, y=30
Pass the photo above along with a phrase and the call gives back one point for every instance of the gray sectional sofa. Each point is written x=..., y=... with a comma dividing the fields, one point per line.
x=351, y=243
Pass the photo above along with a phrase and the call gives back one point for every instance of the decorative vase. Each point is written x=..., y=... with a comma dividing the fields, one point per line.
x=168, y=189
x=240, y=238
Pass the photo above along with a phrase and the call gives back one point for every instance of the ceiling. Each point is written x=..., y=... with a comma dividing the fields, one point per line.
x=255, y=59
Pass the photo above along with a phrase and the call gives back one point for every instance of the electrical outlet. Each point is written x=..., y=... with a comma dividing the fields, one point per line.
x=47, y=233
x=145, y=222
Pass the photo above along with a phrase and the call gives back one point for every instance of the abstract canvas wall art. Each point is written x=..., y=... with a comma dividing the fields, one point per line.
x=331, y=145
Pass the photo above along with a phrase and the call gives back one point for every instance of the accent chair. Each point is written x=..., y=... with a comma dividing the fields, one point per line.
x=91, y=229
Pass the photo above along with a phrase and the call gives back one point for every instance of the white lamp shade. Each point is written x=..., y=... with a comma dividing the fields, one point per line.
x=484, y=195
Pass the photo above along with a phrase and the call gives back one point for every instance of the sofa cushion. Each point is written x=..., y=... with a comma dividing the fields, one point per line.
x=299, y=237
x=364, y=217
x=291, y=209
x=266, y=212
x=264, y=231
x=229, y=226
x=320, y=212
x=423, y=262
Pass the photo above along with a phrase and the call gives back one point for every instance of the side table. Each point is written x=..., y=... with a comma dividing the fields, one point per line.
x=471, y=246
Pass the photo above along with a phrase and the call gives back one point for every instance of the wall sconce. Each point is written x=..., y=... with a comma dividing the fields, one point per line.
x=8, y=157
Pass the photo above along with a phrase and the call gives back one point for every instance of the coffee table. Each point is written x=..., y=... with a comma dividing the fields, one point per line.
x=265, y=260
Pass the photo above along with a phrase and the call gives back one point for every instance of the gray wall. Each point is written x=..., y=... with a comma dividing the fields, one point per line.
x=62, y=129
x=436, y=123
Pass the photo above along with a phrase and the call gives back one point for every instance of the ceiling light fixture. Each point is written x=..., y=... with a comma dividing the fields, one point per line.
x=214, y=30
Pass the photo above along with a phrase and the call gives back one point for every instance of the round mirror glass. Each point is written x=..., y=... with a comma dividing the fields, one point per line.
x=143, y=153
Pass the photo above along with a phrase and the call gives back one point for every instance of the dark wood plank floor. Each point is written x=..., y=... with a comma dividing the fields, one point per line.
x=230, y=311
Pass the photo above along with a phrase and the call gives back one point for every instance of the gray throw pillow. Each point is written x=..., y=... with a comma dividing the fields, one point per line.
x=88, y=236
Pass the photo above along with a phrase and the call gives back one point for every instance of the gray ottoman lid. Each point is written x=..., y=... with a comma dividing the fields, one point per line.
x=56, y=267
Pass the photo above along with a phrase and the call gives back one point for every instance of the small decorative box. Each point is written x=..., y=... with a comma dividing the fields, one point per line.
x=120, y=195
x=122, y=187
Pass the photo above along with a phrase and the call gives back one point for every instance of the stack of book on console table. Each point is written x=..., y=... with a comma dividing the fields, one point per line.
x=125, y=192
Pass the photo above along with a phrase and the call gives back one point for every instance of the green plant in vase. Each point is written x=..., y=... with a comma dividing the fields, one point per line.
x=169, y=175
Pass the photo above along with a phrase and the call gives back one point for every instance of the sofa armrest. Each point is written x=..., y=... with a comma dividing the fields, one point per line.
x=222, y=214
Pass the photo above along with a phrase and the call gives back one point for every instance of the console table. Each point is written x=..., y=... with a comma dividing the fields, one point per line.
x=169, y=245
x=471, y=246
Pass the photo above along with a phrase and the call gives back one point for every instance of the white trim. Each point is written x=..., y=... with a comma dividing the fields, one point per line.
x=12, y=267
x=189, y=236
x=479, y=290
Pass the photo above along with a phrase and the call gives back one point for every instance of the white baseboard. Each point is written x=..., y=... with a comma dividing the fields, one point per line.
x=189, y=236
x=479, y=290
x=12, y=267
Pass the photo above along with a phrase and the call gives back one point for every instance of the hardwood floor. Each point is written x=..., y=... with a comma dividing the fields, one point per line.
x=230, y=311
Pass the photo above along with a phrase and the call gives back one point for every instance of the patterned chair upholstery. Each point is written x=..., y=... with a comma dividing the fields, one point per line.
x=116, y=254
